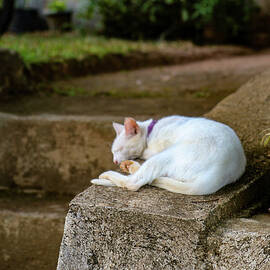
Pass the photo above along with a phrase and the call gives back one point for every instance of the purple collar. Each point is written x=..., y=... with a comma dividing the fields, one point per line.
x=150, y=127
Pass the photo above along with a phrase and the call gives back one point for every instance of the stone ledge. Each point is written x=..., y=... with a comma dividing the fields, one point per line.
x=110, y=228
x=146, y=226
x=116, y=230
x=241, y=244
x=30, y=232
x=53, y=153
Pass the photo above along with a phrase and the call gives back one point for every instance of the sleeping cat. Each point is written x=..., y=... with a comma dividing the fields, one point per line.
x=185, y=155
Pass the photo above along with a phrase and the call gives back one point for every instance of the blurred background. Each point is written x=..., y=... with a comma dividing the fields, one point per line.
x=202, y=21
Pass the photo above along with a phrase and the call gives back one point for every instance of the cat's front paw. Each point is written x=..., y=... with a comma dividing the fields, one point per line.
x=125, y=165
x=115, y=177
x=102, y=182
x=106, y=175
x=129, y=166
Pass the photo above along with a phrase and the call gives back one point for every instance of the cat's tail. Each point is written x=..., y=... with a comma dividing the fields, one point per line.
x=176, y=186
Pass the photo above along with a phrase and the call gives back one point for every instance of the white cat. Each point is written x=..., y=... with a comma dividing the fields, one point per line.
x=185, y=155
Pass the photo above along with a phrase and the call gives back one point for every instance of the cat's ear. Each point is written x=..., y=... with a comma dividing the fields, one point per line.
x=118, y=128
x=131, y=127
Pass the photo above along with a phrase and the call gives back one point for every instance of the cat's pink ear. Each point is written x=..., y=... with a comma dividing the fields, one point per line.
x=131, y=127
x=118, y=128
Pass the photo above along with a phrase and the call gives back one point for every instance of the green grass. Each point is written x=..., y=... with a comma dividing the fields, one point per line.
x=46, y=47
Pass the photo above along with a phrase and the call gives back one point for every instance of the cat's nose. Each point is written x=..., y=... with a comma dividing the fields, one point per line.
x=115, y=161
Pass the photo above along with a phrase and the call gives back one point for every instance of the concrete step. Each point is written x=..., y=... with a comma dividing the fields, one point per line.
x=54, y=153
x=112, y=228
x=241, y=243
x=31, y=229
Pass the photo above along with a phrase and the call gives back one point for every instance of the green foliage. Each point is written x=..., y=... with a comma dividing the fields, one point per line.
x=204, y=9
x=87, y=9
x=57, y=6
x=137, y=19
x=174, y=19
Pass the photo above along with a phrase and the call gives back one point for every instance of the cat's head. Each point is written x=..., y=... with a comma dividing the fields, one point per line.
x=129, y=142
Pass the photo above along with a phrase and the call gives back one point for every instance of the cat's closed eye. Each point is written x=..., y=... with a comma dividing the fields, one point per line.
x=118, y=149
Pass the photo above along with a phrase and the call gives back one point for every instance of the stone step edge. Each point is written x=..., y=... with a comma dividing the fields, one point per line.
x=54, y=153
x=25, y=235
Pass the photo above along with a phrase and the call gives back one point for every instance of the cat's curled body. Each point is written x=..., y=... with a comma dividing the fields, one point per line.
x=185, y=155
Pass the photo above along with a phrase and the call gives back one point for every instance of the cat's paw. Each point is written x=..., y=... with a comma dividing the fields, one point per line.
x=115, y=177
x=129, y=166
x=102, y=182
x=125, y=165
x=106, y=175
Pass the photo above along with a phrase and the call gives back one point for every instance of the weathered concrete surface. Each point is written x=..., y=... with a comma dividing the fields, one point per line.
x=117, y=229
x=111, y=228
x=30, y=232
x=53, y=153
x=248, y=112
x=241, y=244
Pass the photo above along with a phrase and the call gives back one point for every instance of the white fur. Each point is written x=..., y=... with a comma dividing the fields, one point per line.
x=183, y=154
